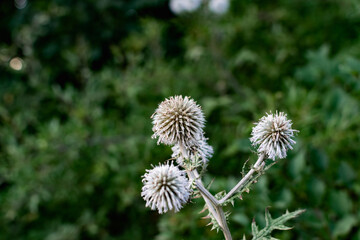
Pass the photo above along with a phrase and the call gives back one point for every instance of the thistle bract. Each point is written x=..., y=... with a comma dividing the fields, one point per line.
x=199, y=149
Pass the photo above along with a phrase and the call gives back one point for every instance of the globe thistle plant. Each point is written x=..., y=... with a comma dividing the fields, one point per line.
x=165, y=188
x=179, y=121
x=273, y=134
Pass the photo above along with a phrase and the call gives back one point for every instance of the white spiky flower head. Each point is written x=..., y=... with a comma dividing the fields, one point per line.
x=200, y=149
x=273, y=134
x=165, y=188
x=178, y=120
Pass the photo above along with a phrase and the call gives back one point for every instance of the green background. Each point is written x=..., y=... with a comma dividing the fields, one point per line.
x=75, y=127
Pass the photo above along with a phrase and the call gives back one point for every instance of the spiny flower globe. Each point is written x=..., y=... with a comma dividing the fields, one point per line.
x=165, y=188
x=273, y=134
x=178, y=120
x=199, y=149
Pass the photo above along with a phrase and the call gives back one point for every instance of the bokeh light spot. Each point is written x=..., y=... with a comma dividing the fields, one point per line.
x=20, y=4
x=16, y=63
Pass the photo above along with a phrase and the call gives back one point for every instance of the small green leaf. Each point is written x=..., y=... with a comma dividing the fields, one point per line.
x=344, y=226
x=240, y=218
x=346, y=173
x=340, y=202
x=297, y=164
x=254, y=228
x=282, y=227
x=273, y=224
x=316, y=190
x=268, y=218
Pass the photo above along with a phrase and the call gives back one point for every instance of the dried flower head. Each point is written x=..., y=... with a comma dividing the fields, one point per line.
x=178, y=120
x=165, y=188
x=273, y=133
x=200, y=149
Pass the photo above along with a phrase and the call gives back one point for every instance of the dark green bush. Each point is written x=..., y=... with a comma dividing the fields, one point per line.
x=75, y=121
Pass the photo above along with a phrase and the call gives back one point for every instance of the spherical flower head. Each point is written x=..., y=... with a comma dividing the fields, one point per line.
x=165, y=188
x=178, y=120
x=273, y=134
x=199, y=149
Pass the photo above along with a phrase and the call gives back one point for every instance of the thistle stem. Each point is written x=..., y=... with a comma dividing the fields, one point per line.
x=258, y=165
x=202, y=189
x=223, y=223
x=208, y=197
x=213, y=204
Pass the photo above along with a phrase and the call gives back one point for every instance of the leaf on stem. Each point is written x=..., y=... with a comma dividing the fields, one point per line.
x=273, y=224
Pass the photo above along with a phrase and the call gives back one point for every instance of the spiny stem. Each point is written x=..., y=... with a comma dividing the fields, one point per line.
x=223, y=223
x=202, y=188
x=213, y=204
x=220, y=216
x=205, y=194
x=258, y=165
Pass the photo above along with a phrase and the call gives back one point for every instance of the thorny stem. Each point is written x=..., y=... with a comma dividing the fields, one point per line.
x=220, y=211
x=257, y=166
x=204, y=194
x=213, y=204
x=202, y=189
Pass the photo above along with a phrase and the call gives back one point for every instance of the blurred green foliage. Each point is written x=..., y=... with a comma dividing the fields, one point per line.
x=75, y=128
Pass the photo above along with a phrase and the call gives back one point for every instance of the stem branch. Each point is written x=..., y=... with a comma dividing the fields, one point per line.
x=258, y=165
